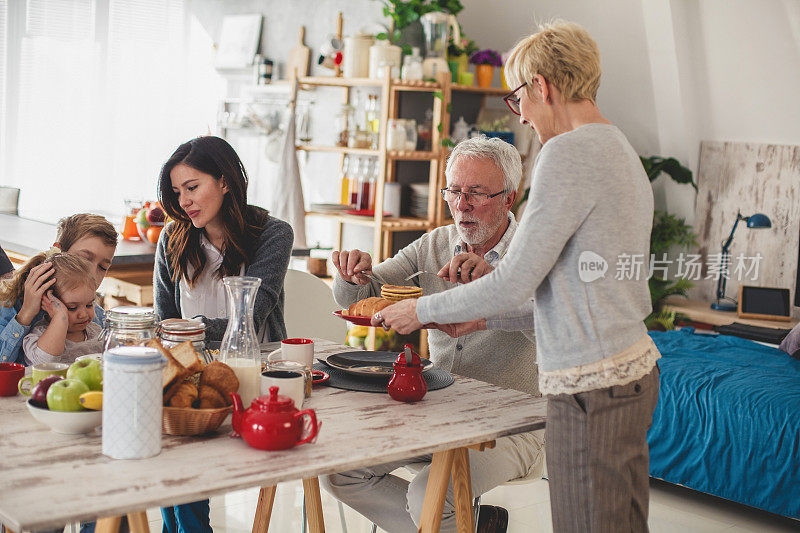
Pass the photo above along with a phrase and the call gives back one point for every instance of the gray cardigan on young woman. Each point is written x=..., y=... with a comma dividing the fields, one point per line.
x=270, y=262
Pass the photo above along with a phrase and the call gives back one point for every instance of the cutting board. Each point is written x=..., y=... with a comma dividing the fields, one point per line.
x=298, y=57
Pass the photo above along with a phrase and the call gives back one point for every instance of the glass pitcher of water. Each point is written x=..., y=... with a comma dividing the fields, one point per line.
x=239, y=349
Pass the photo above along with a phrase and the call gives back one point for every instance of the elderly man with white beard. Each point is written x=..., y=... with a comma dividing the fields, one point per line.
x=482, y=179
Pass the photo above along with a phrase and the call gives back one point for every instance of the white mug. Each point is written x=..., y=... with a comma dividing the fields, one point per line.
x=299, y=350
x=290, y=383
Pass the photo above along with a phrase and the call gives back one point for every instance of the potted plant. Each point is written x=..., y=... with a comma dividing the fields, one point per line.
x=668, y=231
x=485, y=61
x=460, y=53
x=405, y=29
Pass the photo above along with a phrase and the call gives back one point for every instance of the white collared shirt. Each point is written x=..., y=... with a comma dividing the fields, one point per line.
x=207, y=298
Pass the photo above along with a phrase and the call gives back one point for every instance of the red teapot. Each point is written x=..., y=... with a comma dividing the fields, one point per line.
x=272, y=423
x=407, y=383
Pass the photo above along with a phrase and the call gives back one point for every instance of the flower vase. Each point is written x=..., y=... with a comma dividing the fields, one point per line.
x=463, y=62
x=484, y=75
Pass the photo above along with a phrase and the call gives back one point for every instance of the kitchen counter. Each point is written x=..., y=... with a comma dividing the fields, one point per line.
x=26, y=237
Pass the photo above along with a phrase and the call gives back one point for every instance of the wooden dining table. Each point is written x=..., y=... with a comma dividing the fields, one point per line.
x=48, y=479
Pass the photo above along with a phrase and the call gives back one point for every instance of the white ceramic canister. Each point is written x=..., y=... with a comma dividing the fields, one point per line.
x=383, y=54
x=132, y=402
x=355, y=63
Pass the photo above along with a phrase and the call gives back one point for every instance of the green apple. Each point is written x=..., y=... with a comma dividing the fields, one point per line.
x=66, y=397
x=89, y=371
x=141, y=219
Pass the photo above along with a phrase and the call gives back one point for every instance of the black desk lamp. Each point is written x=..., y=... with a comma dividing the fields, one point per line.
x=757, y=221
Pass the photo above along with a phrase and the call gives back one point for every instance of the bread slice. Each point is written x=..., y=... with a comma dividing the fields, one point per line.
x=185, y=354
x=173, y=369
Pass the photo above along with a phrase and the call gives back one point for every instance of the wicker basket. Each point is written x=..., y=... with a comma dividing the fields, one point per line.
x=187, y=421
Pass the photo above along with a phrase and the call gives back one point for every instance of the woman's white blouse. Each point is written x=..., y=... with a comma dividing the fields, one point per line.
x=207, y=297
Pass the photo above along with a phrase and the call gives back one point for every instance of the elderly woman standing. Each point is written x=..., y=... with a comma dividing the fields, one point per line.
x=591, y=202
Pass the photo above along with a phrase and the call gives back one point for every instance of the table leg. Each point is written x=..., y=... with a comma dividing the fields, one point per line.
x=109, y=524
x=266, y=497
x=138, y=522
x=436, y=491
x=316, y=524
x=462, y=491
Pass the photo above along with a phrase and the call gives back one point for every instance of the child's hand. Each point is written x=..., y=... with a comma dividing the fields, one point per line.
x=54, y=307
x=39, y=281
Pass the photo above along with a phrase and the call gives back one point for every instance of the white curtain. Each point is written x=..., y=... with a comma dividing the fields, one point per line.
x=105, y=91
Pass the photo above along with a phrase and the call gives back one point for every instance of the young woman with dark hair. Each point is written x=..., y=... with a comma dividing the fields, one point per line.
x=214, y=233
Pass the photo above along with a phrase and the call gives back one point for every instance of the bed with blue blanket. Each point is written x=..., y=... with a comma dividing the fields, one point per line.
x=728, y=420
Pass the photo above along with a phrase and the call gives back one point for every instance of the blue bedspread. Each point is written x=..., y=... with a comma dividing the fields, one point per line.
x=728, y=420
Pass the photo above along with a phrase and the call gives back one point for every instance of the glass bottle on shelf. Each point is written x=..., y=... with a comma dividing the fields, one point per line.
x=345, y=181
x=355, y=181
x=366, y=184
x=343, y=125
x=373, y=120
x=425, y=130
x=412, y=66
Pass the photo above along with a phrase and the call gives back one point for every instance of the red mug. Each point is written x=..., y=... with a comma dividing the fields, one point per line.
x=10, y=374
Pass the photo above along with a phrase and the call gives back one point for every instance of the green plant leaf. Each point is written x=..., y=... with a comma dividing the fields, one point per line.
x=382, y=36
x=447, y=142
x=439, y=127
x=450, y=108
x=438, y=94
x=655, y=165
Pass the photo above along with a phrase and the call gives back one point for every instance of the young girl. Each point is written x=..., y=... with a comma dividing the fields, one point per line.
x=203, y=187
x=68, y=331
x=89, y=236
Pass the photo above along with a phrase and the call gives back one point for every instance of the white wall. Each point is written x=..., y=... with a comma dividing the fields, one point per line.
x=676, y=72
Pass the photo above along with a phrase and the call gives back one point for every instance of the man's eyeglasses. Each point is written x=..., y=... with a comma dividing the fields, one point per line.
x=512, y=100
x=472, y=198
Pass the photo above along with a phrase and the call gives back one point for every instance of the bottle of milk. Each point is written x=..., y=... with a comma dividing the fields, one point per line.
x=239, y=349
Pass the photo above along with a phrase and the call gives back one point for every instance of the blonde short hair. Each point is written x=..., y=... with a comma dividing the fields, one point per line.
x=564, y=54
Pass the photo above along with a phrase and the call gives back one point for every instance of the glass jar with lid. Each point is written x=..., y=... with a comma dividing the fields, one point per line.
x=174, y=331
x=129, y=326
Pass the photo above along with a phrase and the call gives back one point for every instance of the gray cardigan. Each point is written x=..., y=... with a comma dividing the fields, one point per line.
x=270, y=262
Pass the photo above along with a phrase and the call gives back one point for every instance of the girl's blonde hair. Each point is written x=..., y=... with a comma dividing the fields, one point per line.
x=69, y=270
x=564, y=53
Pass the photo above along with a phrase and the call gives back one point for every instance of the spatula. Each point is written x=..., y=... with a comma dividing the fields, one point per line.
x=298, y=57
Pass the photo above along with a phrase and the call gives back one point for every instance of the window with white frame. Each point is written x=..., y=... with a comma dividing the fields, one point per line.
x=96, y=94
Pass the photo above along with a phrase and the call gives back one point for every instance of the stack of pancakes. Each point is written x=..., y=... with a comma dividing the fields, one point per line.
x=396, y=293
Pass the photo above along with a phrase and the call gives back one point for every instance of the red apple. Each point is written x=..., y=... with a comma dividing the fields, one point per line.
x=39, y=392
x=156, y=215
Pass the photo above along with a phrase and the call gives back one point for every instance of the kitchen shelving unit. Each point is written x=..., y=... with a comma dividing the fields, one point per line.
x=390, y=90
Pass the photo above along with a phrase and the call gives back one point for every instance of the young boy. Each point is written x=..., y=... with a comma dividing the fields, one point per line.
x=89, y=236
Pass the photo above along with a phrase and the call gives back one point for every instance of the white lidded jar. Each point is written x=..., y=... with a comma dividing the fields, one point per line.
x=355, y=63
x=132, y=402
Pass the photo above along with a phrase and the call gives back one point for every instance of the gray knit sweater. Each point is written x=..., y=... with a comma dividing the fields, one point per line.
x=590, y=197
x=270, y=262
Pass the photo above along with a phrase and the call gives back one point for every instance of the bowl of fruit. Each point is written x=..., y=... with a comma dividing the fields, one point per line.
x=71, y=405
x=150, y=220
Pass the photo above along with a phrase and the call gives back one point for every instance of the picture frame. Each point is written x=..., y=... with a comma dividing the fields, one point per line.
x=238, y=41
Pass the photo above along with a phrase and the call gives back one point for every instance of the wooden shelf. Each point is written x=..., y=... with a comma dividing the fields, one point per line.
x=337, y=149
x=419, y=86
x=402, y=155
x=340, y=82
x=492, y=91
x=389, y=223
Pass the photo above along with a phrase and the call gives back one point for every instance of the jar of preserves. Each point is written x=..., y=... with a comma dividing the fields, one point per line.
x=174, y=331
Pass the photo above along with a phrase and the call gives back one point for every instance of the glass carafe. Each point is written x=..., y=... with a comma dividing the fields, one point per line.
x=239, y=349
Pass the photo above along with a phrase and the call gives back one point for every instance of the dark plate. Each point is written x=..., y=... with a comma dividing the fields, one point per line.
x=366, y=363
